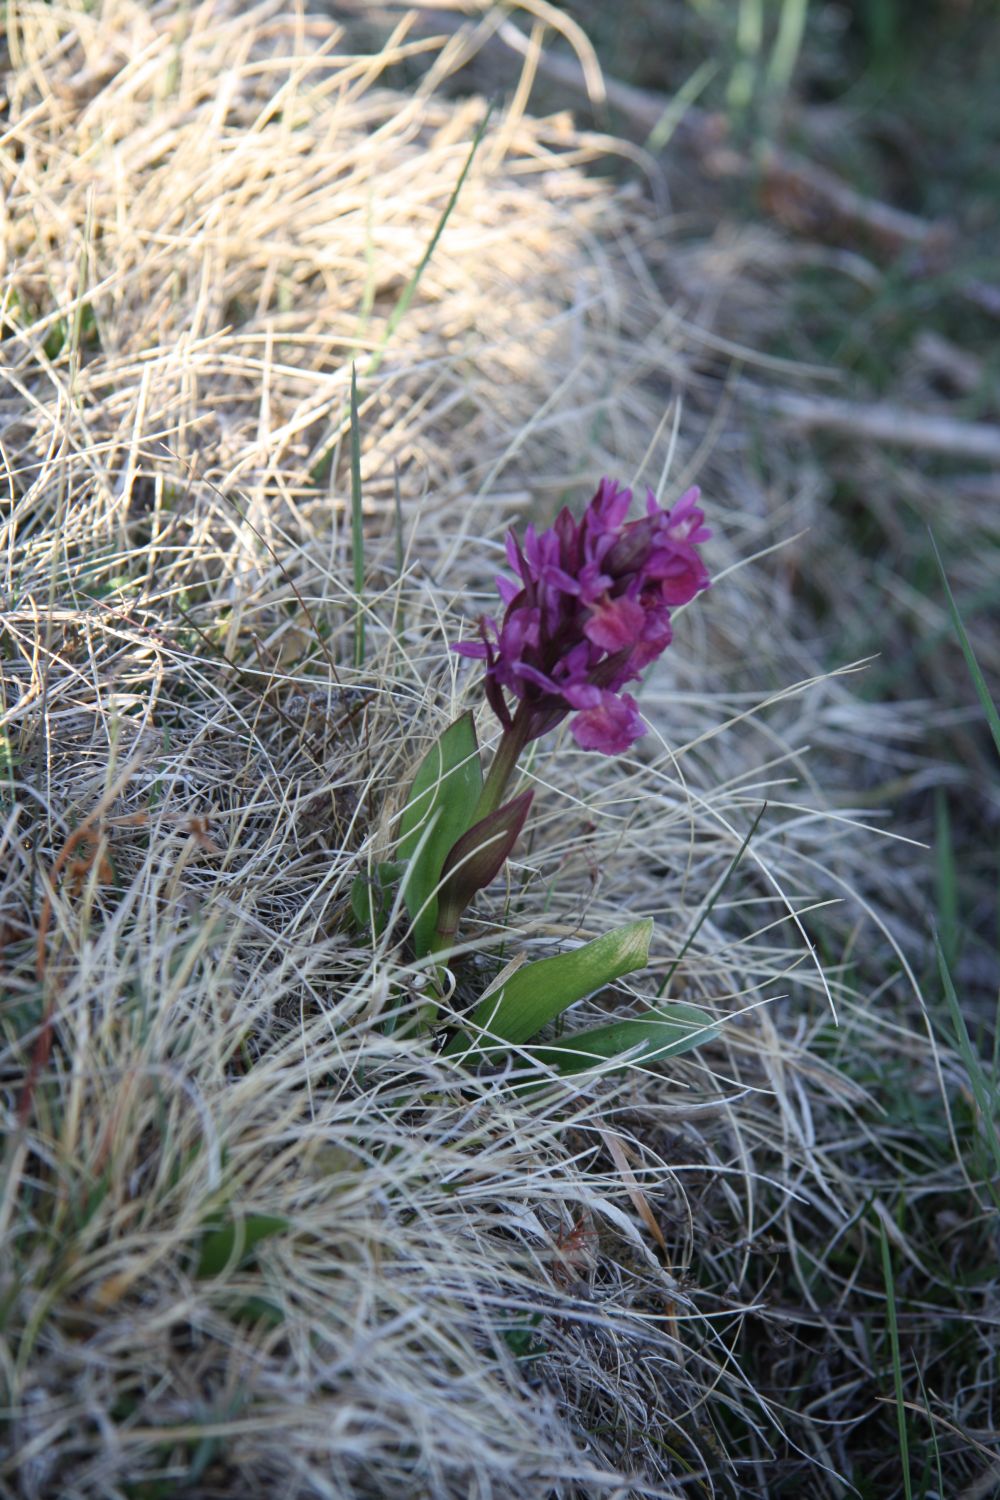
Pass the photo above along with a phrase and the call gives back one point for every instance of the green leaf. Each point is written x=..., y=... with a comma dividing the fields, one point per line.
x=438, y=811
x=984, y=1087
x=522, y=1340
x=538, y=992
x=371, y=896
x=258, y=1310
x=897, y=1365
x=946, y=882
x=666, y=1031
x=321, y=467
x=235, y=1241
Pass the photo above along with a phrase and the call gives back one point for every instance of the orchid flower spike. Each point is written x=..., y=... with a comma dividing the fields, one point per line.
x=587, y=611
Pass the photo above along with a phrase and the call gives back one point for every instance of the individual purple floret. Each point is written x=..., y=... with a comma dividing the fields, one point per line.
x=588, y=611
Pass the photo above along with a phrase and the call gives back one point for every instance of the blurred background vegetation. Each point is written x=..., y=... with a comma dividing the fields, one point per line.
x=866, y=134
x=828, y=175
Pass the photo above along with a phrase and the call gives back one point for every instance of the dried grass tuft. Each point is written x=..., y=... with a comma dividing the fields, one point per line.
x=432, y=1285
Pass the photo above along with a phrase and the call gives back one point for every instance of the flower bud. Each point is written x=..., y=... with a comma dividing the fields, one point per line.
x=477, y=858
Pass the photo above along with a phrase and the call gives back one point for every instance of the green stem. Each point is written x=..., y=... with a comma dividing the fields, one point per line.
x=504, y=764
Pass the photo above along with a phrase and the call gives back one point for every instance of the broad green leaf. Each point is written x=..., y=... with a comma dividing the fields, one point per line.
x=538, y=992
x=666, y=1030
x=438, y=810
x=235, y=1241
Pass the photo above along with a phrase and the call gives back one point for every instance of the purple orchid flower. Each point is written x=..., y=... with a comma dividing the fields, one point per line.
x=588, y=610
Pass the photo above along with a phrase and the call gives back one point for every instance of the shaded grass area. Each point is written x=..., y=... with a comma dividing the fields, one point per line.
x=901, y=103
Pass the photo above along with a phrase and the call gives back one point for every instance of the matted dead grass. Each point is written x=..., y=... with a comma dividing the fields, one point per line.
x=453, y=1290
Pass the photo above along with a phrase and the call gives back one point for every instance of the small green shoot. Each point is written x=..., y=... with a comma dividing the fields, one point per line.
x=946, y=880
x=984, y=1088
x=406, y=296
x=409, y=291
x=371, y=896
x=787, y=46
x=984, y=1084
x=522, y=1340
x=935, y=1445
x=660, y=135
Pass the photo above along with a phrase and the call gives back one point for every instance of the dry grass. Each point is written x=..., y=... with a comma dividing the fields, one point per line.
x=460, y=1292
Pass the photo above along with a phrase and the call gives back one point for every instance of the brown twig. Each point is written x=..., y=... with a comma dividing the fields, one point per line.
x=879, y=422
x=813, y=200
x=962, y=371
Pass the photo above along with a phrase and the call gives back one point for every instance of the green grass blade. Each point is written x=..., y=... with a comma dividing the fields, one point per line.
x=706, y=911
x=946, y=879
x=357, y=526
x=408, y=293
x=787, y=45
x=979, y=681
x=321, y=465
x=984, y=1088
x=935, y=1445
x=661, y=133
x=897, y=1368
x=749, y=44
